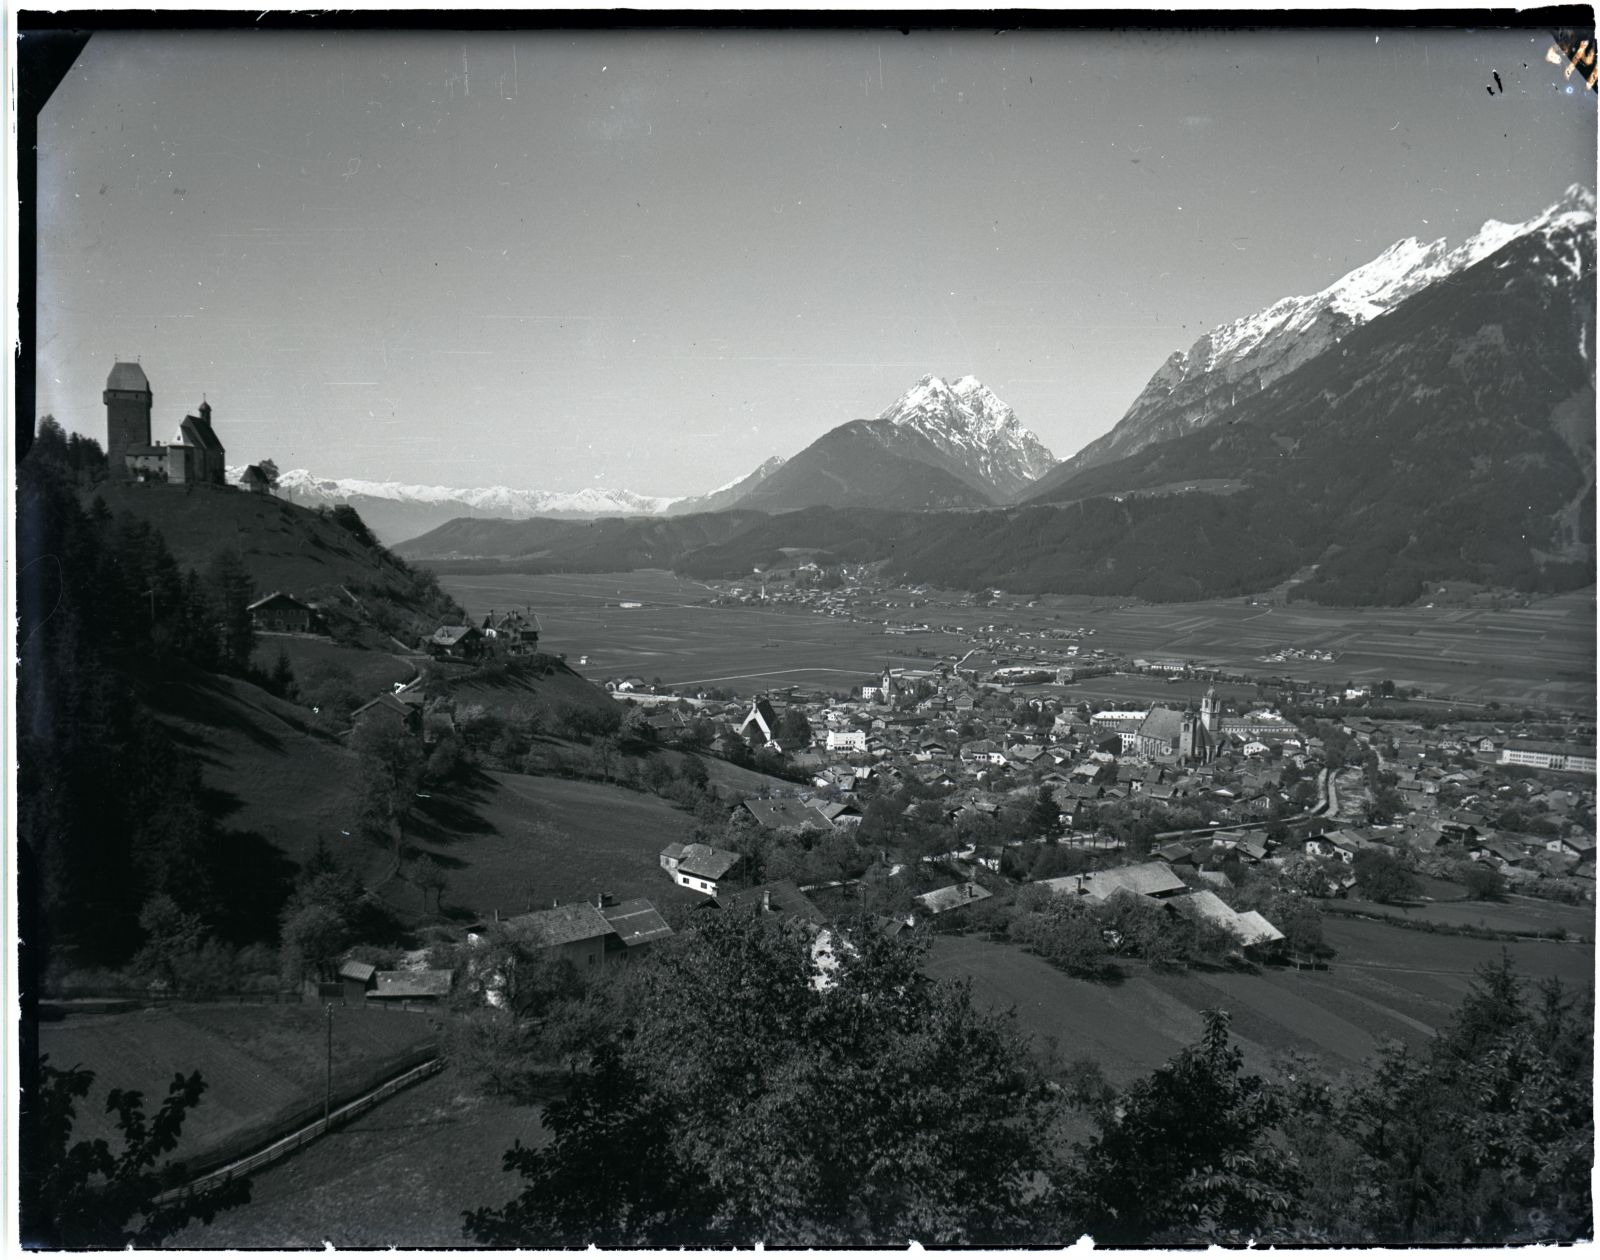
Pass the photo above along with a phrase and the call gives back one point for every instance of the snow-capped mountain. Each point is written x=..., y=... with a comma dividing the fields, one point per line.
x=396, y=512
x=976, y=432
x=728, y=494
x=1234, y=361
x=938, y=446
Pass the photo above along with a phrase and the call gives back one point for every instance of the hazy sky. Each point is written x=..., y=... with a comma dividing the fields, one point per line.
x=651, y=260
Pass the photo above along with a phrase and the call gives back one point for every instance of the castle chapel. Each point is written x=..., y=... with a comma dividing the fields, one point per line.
x=194, y=454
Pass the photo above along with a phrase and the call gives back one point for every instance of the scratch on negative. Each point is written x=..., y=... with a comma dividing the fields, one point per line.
x=60, y=589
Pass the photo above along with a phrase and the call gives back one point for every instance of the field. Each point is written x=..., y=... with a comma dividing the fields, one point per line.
x=262, y=1063
x=373, y=672
x=398, y=1176
x=1527, y=915
x=689, y=644
x=515, y=842
x=1385, y=982
x=1542, y=655
x=267, y=769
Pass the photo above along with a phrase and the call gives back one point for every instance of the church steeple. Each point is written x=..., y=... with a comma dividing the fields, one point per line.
x=1211, y=711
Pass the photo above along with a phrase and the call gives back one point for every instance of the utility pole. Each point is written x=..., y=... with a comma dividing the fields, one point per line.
x=327, y=1097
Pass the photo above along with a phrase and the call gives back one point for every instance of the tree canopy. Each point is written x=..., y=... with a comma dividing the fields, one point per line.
x=712, y=1116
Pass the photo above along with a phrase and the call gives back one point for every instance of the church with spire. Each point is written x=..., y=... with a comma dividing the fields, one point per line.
x=195, y=453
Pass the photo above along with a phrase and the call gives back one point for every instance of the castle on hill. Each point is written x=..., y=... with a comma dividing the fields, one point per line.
x=195, y=453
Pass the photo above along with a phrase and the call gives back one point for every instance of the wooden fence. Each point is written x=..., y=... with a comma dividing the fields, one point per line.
x=292, y=1142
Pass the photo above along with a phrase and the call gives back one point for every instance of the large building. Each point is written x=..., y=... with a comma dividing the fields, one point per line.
x=195, y=454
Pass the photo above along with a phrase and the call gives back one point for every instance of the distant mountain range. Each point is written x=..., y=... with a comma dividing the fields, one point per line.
x=395, y=512
x=1428, y=417
x=938, y=446
x=1230, y=363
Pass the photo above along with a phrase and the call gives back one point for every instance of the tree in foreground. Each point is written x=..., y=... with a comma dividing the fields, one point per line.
x=82, y=1194
x=1486, y=1136
x=1187, y=1155
x=747, y=1100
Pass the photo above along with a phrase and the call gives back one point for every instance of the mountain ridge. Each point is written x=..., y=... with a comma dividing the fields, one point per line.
x=1248, y=354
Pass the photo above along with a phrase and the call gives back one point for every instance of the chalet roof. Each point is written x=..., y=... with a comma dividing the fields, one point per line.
x=278, y=599
x=1250, y=928
x=782, y=813
x=449, y=636
x=358, y=971
x=706, y=862
x=254, y=476
x=953, y=896
x=562, y=925
x=128, y=376
x=781, y=897
x=636, y=922
x=387, y=701
x=413, y=984
x=1147, y=879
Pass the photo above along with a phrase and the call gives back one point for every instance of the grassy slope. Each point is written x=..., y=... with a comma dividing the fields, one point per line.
x=546, y=681
x=270, y=771
x=400, y=1175
x=374, y=672
x=514, y=842
x=1384, y=982
x=284, y=547
x=261, y=1064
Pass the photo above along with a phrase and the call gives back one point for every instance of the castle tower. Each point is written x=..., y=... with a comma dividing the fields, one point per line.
x=1211, y=711
x=127, y=398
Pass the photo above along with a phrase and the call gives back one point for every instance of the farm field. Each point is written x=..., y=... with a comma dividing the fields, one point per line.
x=515, y=842
x=685, y=643
x=1528, y=915
x=262, y=1064
x=1385, y=982
x=398, y=1176
x=1543, y=654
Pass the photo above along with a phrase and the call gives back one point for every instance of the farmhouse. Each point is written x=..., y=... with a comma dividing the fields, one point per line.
x=698, y=866
x=576, y=933
x=1147, y=879
x=282, y=613
x=404, y=987
x=781, y=897
x=784, y=814
x=456, y=643
x=255, y=481
x=390, y=709
x=514, y=633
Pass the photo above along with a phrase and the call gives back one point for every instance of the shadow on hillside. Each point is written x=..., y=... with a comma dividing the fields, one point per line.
x=207, y=703
x=253, y=878
x=453, y=812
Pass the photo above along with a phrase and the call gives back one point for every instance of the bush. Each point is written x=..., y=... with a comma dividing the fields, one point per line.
x=1482, y=882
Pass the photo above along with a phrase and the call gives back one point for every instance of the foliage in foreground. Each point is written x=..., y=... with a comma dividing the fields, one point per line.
x=82, y=1194
x=714, y=1115
x=732, y=1099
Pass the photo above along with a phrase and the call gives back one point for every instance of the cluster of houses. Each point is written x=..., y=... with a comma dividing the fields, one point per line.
x=513, y=632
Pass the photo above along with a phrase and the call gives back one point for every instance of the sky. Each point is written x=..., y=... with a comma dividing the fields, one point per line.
x=650, y=260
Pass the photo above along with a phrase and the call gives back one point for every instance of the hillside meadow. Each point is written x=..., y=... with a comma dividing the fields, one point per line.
x=264, y=1065
x=516, y=842
x=1384, y=982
